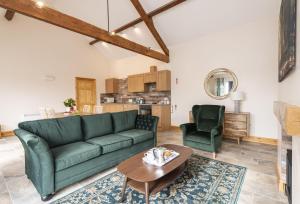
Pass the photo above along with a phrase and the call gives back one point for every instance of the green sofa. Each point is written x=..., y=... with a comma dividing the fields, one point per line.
x=62, y=151
x=207, y=130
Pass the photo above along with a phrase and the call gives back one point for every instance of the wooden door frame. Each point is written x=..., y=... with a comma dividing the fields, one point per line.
x=94, y=87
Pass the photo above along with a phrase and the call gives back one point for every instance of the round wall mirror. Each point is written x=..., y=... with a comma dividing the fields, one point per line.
x=219, y=83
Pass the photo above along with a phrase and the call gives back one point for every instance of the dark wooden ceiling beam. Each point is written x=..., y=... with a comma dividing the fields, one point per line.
x=9, y=15
x=149, y=22
x=59, y=19
x=151, y=14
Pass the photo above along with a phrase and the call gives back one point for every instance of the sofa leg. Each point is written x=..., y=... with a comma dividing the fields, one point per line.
x=47, y=197
x=214, y=155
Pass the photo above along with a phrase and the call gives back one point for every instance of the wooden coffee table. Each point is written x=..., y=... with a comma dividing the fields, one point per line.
x=149, y=179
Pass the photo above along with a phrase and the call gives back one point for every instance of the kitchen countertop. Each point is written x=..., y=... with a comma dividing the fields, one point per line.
x=145, y=104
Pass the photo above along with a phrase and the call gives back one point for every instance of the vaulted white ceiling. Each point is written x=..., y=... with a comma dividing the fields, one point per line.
x=184, y=22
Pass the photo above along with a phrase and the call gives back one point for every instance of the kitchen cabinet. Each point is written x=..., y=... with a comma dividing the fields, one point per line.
x=129, y=107
x=112, y=85
x=164, y=114
x=150, y=77
x=163, y=82
x=112, y=107
x=136, y=83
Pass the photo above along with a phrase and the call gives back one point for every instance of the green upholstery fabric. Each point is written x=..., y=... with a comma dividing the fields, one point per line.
x=56, y=132
x=154, y=122
x=97, y=125
x=137, y=135
x=124, y=120
x=80, y=171
x=111, y=143
x=71, y=154
x=207, y=131
x=39, y=165
x=200, y=137
x=56, y=154
x=206, y=125
x=207, y=117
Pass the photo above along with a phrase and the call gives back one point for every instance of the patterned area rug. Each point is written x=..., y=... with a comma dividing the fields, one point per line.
x=208, y=181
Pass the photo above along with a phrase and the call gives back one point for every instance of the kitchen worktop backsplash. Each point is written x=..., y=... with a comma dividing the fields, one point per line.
x=151, y=96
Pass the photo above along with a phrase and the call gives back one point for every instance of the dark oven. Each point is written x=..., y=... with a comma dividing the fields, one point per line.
x=145, y=110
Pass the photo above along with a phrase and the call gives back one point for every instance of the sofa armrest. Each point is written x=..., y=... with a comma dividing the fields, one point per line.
x=148, y=122
x=187, y=128
x=39, y=161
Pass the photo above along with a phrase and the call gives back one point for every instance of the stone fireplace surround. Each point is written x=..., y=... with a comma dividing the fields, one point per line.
x=288, y=138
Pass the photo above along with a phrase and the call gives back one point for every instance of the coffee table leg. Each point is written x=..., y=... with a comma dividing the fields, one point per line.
x=187, y=168
x=123, y=189
x=147, y=192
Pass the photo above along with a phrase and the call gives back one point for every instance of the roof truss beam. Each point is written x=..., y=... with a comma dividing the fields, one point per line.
x=51, y=16
x=9, y=15
x=151, y=14
x=149, y=22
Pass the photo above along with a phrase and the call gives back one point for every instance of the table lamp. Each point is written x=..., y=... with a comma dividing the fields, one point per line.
x=237, y=97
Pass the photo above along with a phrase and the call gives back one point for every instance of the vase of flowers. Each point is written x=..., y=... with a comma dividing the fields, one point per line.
x=69, y=104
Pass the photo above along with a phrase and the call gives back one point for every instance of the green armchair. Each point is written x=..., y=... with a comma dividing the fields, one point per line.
x=207, y=130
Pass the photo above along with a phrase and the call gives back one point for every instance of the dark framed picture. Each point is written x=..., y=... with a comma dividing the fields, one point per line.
x=287, y=38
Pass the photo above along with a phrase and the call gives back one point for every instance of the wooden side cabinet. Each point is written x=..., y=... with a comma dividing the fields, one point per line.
x=236, y=125
x=136, y=83
x=163, y=82
x=164, y=114
x=112, y=85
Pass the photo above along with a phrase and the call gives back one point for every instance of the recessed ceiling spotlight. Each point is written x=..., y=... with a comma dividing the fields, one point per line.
x=136, y=29
x=104, y=44
x=40, y=4
x=113, y=33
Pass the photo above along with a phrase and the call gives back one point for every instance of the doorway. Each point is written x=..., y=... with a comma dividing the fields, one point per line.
x=85, y=93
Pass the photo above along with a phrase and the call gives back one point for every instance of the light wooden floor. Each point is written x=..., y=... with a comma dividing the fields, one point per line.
x=260, y=186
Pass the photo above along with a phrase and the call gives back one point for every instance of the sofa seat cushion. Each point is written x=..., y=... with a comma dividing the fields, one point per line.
x=111, y=143
x=199, y=137
x=137, y=135
x=75, y=153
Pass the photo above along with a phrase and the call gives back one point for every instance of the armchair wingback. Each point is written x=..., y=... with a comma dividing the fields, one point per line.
x=207, y=130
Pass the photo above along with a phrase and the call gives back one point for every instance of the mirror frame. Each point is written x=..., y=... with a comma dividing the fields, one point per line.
x=236, y=82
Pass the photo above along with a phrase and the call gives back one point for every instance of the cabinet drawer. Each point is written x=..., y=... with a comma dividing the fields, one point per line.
x=236, y=125
x=230, y=132
x=235, y=117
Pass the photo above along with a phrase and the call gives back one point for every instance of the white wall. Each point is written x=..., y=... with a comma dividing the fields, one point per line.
x=289, y=93
x=249, y=50
x=134, y=65
x=29, y=50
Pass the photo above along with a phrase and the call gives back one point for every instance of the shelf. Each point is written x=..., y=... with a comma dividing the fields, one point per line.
x=158, y=185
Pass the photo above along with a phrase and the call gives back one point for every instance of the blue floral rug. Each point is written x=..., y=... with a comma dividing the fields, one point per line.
x=208, y=181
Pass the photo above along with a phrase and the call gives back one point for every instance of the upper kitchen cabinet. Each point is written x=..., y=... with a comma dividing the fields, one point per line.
x=136, y=83
x=163, y=82
x=112, y=85
x=150, y=77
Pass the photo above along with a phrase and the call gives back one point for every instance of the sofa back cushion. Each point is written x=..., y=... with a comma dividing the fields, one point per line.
x=97, y=125
x=124, y=120
x=56, y=132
